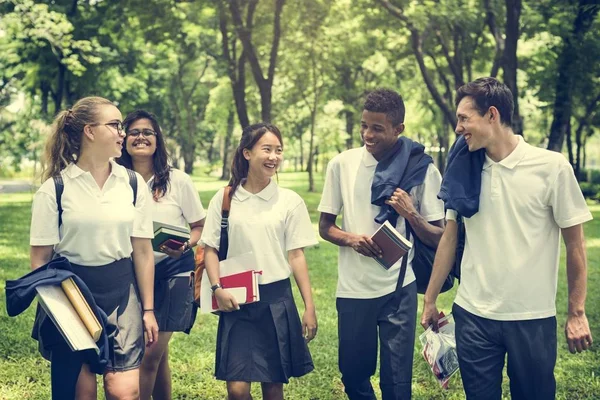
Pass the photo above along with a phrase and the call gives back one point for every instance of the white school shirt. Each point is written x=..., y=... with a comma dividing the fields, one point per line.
x=97, y=224
x=268, y=224
x=509, y=269
x=180, y=206
x=347, y=190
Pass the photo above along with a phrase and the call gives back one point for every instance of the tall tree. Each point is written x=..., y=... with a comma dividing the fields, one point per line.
x=245, y=34
x=567, y=72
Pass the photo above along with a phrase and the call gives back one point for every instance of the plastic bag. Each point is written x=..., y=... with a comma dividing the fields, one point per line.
x=439, y=350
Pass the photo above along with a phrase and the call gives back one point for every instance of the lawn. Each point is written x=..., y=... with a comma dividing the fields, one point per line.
x=25, y=375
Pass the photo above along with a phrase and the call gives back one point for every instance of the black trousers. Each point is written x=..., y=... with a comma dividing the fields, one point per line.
x=482, y=345
x=362, y=323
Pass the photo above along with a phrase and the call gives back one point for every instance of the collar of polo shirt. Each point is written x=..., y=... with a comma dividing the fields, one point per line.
x=73, y=171
x=367, y=158
x=242, y=194
x=512, y=159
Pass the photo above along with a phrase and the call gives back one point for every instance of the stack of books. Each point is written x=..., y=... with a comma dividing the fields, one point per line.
x=169, y=235
x=71, y=314
x=392, y=243
x=239, y=276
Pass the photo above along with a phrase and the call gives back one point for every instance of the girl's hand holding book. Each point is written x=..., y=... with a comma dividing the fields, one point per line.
x=226, y=300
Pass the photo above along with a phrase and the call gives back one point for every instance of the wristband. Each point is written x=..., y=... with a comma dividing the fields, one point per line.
x=149, y=309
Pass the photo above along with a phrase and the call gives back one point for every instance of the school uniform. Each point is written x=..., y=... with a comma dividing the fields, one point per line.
x=372, y=307
x=262, y=342
x=173, y=286
x=506, y=302
x=95, y=236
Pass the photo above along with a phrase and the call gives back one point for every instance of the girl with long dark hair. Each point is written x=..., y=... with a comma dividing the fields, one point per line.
x=101, y=228
x=263, y=341
x=175, y=202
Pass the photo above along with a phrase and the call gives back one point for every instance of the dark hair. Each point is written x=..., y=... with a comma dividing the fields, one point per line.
x=388, y=102
x=160, y=160
x=63, y=146
x=488, y=92
x=250, y=135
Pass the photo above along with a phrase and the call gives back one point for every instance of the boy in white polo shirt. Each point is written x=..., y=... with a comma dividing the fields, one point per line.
x=372, y=306
x=506, y=299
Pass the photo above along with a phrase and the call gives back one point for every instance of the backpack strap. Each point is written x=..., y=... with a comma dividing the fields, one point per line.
x=133, y=182
x=404, y=264
x=59, y=186
x=224, y=240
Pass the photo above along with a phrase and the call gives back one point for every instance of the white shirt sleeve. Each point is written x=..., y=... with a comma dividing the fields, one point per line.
x=211, y=234
x=44, y=230
x=451, y=215
x=430, y=207
x=568, y=204
x=190, y=203
x=331, y=199
x=299, y=232
x=142, y=222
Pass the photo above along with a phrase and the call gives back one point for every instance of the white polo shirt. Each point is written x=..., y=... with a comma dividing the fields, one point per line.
x=510, y=262
x=347, y=190
x=268, y=224
x=97, y=224
x=180, y=206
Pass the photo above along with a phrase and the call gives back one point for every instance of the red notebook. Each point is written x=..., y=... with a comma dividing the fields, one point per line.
x=247, y=281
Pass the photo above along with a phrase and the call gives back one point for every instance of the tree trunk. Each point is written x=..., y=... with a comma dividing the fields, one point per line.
x=566, y=74
x=349, y=128
x=510, y=61
x=570, y=144
x=226, y=174
x=188, y=153
x=60, y=88
x=311, y=155
x=244, y=32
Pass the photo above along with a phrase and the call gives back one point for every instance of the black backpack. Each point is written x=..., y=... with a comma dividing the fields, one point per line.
x=422, y=262
x=59, y=185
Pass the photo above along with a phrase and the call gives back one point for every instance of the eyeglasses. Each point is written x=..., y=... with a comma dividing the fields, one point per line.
x=118, y=126
x=137, y=132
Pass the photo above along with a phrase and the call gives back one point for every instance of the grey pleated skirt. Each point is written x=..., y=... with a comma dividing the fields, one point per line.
x=115, y=290
x=263, y=342
x=174, y=294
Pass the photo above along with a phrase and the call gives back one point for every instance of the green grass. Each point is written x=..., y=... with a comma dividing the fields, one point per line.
x=25, y=375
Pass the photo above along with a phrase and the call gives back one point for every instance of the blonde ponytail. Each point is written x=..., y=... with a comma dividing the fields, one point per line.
x=64, y=143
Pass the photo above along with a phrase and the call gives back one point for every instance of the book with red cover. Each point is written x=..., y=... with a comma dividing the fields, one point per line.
x=247, y=280
x=392, y=243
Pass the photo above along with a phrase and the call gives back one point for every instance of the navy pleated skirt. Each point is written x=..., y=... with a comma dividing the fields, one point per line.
x=174, y=294
x=115, y=290
x=263, y=342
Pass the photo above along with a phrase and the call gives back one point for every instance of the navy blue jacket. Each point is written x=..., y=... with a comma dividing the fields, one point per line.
x=66, y=364
x=404, y=167
x=461, y=185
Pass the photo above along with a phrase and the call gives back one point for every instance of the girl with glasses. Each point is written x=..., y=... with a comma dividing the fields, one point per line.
x=101, y=228
x=175, y=202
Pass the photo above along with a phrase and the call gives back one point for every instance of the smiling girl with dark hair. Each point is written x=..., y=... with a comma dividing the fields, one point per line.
x=262, y=341
x=176, y=202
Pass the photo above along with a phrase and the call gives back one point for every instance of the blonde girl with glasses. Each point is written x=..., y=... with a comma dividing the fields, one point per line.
x=100, y=232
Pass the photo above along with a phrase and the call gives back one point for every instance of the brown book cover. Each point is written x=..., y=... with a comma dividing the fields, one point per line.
x=392, y=243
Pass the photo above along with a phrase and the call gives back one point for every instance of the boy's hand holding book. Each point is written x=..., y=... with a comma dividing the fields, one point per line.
x=365, y=246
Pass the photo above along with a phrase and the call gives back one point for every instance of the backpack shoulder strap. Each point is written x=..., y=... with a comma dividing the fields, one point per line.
x=226, y=200
x=133, y=182
x=224, y=241
x=59, y=186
